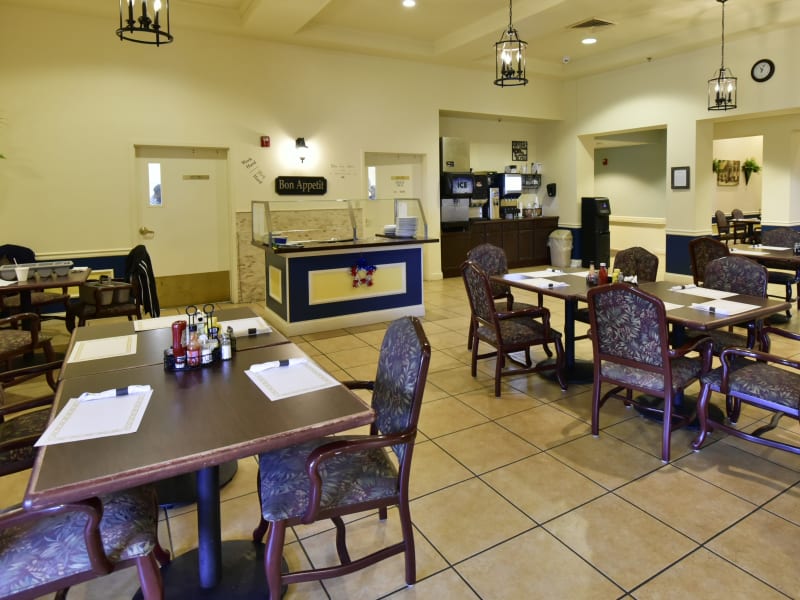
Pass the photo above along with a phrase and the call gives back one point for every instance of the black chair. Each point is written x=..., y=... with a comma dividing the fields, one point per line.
x=508, y=331
x=702, y=251
x=335, y=476
x=632, y=353
x=758, y=378
x=783, y=237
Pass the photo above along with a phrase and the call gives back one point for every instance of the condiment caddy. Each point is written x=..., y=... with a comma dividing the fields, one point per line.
x=198, y=342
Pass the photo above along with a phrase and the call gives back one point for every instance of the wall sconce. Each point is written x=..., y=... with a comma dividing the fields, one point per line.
x=302, y=149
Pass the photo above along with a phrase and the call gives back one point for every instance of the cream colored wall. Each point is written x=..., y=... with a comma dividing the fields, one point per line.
x=671, y=93
x=74, y=100
x=746, y=197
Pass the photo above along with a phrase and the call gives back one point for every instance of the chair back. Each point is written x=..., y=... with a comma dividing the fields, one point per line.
x=629, y=327
x=737, y=274
x=492, y=260
x=400, y=380
x=781, y=236
x=737, y=213
x=637, y=261
x=11, y=253
x=139, y=267
x=479, y=292
x=722, y=222
x=701, y=252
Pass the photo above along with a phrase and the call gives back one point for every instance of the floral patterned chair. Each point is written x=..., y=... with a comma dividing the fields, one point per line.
x=739, y=275
x=30, y=417
x=758, y=378
x=508, y=331
x=632, y=353
x=492, y=259
x=637, y=261
x=50, y=549
x=701, y=252
x=783, y=237
x=20, y=337
x=334, y=476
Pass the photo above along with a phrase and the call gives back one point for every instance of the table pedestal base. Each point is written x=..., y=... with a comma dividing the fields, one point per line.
x=687, y=406
x=243, y=576
x=581, y=372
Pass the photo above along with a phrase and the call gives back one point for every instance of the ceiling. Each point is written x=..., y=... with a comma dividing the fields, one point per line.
x=463, y=32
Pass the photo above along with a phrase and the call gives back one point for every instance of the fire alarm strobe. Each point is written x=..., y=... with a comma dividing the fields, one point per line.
x=265, y=141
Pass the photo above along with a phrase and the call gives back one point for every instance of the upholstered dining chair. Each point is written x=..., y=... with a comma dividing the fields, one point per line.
x=335, y=476
x=49, y=549
x=739, y=229
x=783, y=237
x=508, y=331
x=632, y=354
x=724, y=233
x=492, y=259
x=739, y=275
x=18, y=342
x=22, y=422
x=702, y=251
x=637, y=261
x=759, y=378
x=630, y=261
x=11, y=253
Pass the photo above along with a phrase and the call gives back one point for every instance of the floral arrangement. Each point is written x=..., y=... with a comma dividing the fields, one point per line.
x=362, y=273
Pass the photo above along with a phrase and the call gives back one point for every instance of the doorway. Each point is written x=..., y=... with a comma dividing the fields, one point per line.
x=183, y=218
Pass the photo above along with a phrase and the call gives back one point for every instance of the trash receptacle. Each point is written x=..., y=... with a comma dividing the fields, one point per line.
x=560, y=243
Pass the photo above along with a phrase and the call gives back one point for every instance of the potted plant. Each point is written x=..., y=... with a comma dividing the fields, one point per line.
x=750, y=166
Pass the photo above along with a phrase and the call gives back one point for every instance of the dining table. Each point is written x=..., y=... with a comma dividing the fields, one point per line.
x=570, y=285
x=195, y=421
x=36, y=283
x=747, y=225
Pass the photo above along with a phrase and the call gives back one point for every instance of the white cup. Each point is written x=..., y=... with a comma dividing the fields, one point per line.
x=22, y=273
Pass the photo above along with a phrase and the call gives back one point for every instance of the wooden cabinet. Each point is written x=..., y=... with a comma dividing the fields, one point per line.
x=523, y=240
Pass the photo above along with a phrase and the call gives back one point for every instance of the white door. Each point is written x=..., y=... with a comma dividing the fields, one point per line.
x=186, y=230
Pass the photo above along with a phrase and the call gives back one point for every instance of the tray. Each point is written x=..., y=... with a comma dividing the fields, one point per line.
x=55, y=268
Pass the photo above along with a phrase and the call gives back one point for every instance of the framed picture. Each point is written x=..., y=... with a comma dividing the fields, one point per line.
x=519, y=151
x=680, y=178
x=727, y=172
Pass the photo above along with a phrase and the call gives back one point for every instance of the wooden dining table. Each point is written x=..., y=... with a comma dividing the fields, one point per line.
x=26, y=288
x=576, y=289
x=195, y=421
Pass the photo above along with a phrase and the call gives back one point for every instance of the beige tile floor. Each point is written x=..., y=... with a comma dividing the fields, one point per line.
x=513, y=497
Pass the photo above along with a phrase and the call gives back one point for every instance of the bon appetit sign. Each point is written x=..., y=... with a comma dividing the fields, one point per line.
x=301, y=186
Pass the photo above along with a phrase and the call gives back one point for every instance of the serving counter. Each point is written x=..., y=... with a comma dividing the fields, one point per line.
x=330, y=265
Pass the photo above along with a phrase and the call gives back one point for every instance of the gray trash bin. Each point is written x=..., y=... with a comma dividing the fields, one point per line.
x=560, y=244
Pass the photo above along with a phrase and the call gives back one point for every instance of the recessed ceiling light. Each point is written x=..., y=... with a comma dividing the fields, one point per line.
x=589, y=41
x=409, y=3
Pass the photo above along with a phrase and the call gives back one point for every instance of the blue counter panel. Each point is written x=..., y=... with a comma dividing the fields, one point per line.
x=298, y=283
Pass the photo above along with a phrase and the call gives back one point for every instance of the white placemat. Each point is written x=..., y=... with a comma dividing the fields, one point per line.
x=724, y=307
x=100, y=417
x=157, y=323
x=242, y=327
x=694, y=290
x=551, y=272
x=121, y=345
x=292, y=380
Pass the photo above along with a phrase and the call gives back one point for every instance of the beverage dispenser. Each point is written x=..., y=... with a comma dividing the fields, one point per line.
x=595, y=234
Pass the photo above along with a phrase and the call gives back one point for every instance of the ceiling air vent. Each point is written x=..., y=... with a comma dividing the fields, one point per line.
x=590, y=24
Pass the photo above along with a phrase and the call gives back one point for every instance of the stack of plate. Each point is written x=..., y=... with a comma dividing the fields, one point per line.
x=406, y=227
x=389, y=230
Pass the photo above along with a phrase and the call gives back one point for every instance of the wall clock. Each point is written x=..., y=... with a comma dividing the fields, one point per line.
x=762, y=70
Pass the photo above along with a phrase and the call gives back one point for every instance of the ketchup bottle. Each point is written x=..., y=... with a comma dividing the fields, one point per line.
x=178, y=350
x=602, y=276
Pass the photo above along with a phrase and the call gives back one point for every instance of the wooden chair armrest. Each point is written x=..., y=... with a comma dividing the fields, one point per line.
x=15, y=320
x=92, y=508
x=703, y=345
x=342, y=445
